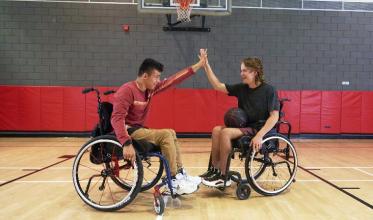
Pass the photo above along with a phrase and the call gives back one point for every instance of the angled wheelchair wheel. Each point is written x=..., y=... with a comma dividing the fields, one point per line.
x=158, y=204
x=271, y=170
x=99, y=171
x=152, y=173
x=153, y=170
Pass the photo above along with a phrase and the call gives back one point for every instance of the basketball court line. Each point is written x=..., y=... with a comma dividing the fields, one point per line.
x=363, y=171
x=67, y=157
x=337, y=187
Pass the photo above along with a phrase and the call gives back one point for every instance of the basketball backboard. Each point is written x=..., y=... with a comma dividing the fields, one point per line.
x=199, y=7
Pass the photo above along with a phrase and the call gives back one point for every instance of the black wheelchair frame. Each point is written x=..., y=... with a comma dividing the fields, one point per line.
x=242, y=146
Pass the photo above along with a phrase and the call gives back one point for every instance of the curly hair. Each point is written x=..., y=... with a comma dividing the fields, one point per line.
x=256, y=64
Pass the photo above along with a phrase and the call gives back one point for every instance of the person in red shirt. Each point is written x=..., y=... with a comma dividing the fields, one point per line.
x=131, y=107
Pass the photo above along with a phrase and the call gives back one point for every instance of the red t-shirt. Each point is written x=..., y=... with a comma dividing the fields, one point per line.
x=131, y=105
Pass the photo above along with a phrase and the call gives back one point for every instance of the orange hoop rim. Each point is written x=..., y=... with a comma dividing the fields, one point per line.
x=184, y=4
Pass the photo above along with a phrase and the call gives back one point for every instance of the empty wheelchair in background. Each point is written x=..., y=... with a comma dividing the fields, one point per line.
x=107, y=182
x=271, y=170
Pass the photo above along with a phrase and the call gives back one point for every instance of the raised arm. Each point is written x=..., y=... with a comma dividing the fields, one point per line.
x=214, y=81
x=179, y=76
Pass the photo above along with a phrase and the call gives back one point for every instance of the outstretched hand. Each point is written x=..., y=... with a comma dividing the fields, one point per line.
x=203, y=56
x=202, y=60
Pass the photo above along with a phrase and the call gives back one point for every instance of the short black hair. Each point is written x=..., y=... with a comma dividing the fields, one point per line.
x=148, y=65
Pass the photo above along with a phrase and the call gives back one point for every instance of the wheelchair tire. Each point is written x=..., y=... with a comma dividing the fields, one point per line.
x=263, y=169
x=243, y=191
x=93, y=182
x=158, y=204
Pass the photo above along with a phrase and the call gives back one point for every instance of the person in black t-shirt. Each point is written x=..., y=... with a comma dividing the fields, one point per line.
x=258, y=99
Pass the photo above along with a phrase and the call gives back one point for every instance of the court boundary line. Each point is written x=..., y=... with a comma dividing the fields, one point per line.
x=36, y=171
x=363, y=171
x=338, y=188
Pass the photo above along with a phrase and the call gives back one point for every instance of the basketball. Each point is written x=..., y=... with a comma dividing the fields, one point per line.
x=235, y=118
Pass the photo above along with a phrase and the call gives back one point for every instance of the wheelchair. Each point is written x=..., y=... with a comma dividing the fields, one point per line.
x=271, y=170
x=107, y=182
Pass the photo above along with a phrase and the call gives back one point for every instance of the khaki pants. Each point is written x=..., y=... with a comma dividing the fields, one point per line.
x=166, y=139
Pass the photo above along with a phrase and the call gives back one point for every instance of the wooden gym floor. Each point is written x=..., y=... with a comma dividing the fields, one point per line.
x=334, y=181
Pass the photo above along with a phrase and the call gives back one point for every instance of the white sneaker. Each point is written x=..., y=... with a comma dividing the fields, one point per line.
x=193, y=179
x=181, y=187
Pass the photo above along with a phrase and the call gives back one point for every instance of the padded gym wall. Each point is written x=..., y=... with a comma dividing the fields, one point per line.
x=33, y=108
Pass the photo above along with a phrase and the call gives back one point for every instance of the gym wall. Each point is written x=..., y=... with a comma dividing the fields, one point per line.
x=306, y=54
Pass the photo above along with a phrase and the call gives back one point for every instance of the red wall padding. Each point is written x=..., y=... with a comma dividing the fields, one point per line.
x=331, y=112
x=194, y=110
x=367, y=113
x=161, y=113
x=33, y=108
x=29, y=109
x=73, y=109
x=351, y=112
x=9, y=114
x=51, y=108
x=310, y=112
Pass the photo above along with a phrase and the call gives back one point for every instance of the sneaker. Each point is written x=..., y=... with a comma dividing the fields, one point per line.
x=208, y=173
x=216, y=181
x=193, y=179
x=181, y=187
x=214, y=174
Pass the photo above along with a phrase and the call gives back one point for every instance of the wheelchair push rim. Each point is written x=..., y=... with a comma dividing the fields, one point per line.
x=271, y=170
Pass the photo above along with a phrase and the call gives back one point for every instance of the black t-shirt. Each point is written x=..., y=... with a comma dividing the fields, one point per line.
x=257, y=103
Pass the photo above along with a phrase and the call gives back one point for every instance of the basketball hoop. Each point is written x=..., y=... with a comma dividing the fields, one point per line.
x=183, y=10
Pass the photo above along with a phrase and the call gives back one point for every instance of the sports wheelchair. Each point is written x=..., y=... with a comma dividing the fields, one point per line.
x=107, y=182
x=271, y=170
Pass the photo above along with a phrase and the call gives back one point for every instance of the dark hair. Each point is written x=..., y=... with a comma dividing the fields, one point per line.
x=148, y=65
x=256, y=64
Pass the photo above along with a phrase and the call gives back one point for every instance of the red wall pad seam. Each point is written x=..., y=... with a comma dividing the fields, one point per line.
x=310, y=112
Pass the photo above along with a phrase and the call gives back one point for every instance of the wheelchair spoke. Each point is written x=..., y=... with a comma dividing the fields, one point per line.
x=111, y=193
x=89, y=183
x=150, y=170
x=90, y=168
x=102, y=194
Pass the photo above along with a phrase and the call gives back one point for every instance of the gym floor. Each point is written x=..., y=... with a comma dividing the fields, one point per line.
x=334, y=181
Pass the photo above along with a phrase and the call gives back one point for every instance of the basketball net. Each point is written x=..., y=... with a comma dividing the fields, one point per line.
x=183, y=10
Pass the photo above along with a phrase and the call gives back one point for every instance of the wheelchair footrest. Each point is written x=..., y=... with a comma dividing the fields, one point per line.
x=235, y=176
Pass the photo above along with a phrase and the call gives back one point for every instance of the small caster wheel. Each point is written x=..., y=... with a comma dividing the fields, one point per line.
x=243, y=191
x=158, y=204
